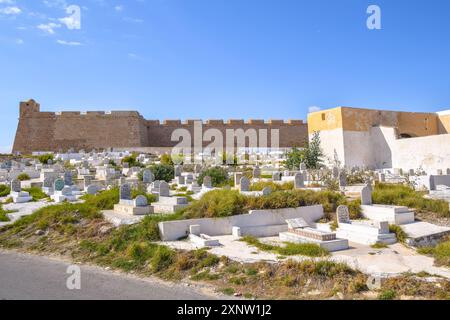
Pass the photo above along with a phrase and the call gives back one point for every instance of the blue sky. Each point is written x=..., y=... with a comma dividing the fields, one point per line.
x=213, y=59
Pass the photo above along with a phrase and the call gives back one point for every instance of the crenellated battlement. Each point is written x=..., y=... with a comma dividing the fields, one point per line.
x=59, y=131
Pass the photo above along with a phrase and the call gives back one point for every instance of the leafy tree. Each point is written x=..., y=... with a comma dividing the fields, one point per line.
x=294, y=158
x=313, y=152
x=219, y=176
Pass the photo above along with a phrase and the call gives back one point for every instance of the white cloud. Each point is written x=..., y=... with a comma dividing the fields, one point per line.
x=11, y=10
x=73, y=21
x=55, y=3
x=314, y=109
x=6, y=1
x=118, y=8
x=49, y=27
x=19, y=41
x=69, y=43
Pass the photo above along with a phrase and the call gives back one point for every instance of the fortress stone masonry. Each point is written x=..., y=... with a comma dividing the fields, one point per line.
x=62, y=131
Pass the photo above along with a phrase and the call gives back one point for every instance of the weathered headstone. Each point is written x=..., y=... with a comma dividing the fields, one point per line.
x=15, y=185
x=381, y=177
x=366, y=195
x=164, y=190
x=207, y=183
x=412, y=172
x=181, y=180
x=256, y=172
x=343, y=215
x=298, y=181
x=92, y=189
x=141, y=201
x=58, y=185
x=335, y=172
x=302, y=166
x=276, y=176
x=177, y=170
x=66, y=191
x=125, y=192
x=147, y=176
x=244, y=184
x=68, y=178
x=48, y=182
x=342, y=179
x=266, y=191
x=189, y=178
x=88, y=181
x=49, y=161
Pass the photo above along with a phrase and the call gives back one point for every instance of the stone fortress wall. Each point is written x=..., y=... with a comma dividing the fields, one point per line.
x=52, y=131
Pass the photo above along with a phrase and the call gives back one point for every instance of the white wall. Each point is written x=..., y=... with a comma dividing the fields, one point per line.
x=331, y=141
x=379, y=149
x=432, y=152
x=257, y=222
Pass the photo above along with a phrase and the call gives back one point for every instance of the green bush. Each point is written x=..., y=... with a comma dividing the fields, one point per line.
x=219, y=176
x=162, y=259
x=4, y=190
x=259, y=186
x=36, y=193
x=23, y=177
x=290, y=249
x=223, y=203
x=163, y=172
x=3, y=216
x=387, y=295
x=104, y=200
x=399, y=233
x=45, y=157
x=441, y=253
x=216, y=203
x=402, y=195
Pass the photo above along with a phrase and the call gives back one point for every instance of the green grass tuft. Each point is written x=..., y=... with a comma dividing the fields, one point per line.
x=290, y=249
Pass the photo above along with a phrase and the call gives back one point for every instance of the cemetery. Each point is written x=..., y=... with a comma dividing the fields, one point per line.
x=252, y=213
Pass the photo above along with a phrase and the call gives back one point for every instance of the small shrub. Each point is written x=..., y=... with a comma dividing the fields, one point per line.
x=379, y=245
x=23, y=177
x=387, y=295
x=402, y=195
x=441, y=254
x=36, y=193
x=3, y=216
x=4, y=190
x=163, y=172
x=399, y=233
x=45, y=158
x=227, y=291
x=162, y=259
x=290, y=249
x=259, y=186
x=219, y=176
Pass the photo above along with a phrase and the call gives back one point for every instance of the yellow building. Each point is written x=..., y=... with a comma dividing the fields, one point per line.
x=383, y=139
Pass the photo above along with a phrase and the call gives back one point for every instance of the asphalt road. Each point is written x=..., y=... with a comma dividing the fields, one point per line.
x=30, y=277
